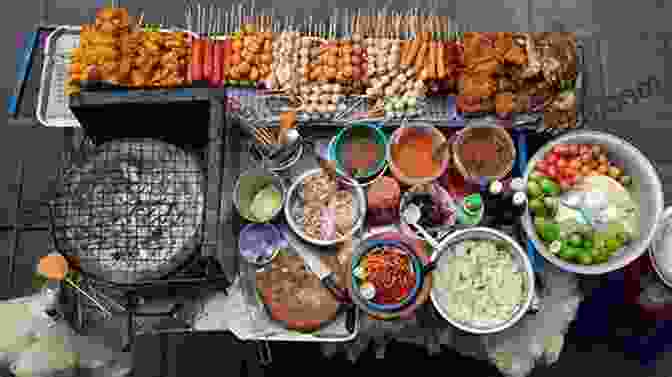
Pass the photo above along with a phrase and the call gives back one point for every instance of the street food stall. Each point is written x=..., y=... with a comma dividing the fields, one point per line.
x=379, y=175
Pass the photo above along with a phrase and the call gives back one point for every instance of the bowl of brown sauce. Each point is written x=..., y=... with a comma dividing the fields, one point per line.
x=359, y=151
x=484, y=153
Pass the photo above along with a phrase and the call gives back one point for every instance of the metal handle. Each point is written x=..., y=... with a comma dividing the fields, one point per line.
x=351, y=318
x=264, y=353
x=25, y=66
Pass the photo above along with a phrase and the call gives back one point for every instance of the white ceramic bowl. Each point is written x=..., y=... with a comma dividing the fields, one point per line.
x=519, y=257
x=292, y=196
x=647, y=190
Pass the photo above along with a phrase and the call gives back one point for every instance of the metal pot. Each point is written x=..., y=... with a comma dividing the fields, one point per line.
x=521, y=259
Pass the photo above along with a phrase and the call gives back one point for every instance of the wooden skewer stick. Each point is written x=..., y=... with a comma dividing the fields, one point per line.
x=263, y=136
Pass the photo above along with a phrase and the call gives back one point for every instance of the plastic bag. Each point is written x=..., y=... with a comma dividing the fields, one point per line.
x=36, y=344
x=539, y=337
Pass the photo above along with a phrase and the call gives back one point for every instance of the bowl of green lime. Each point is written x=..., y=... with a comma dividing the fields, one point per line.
x=259, y=195
x=594, y=203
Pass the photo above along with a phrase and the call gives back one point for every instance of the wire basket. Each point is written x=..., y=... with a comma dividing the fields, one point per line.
x=131, y=211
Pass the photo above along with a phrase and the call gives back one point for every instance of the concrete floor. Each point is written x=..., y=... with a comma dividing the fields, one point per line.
x=627, y=55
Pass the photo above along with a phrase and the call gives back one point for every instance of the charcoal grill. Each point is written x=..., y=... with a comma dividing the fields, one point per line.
x=130, y=212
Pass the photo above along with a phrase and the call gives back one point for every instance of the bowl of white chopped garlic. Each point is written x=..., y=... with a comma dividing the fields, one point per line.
x=483, y=282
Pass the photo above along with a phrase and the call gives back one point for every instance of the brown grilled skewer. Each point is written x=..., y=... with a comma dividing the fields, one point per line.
x=265, y=136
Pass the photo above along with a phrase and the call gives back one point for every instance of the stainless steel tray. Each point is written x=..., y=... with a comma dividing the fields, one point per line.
x=438, y=110
x=237, y=160
x=53, y=108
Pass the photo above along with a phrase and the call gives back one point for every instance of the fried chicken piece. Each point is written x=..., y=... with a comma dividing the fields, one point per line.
x=477, y=49
x=503, y=43
x=469, y=104
x=139, y=78
x=479, y=85
x=557, y=55
x=112, y=20
x=516, y=55
x=522, y=103
x=505, y=103
x=486, y=67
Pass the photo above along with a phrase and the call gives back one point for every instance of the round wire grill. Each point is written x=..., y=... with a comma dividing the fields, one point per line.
x=131, y=211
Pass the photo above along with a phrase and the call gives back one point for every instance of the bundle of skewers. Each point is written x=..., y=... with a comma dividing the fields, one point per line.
x=395, y=87
x=285, y=67
x=234, y=48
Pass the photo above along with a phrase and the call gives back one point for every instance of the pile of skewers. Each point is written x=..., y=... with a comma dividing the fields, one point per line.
x=118, y=51
x=394, y=59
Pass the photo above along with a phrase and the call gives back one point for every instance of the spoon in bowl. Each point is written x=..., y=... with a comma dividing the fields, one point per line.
x=412, y=216
x=439, y=151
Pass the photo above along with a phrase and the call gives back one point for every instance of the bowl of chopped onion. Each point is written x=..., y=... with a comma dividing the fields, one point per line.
x=483, y=282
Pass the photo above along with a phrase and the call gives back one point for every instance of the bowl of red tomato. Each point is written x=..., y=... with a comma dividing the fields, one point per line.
x=594, y=202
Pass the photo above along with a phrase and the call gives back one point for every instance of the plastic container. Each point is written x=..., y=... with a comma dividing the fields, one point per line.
x=256, y=255
x=399, y=137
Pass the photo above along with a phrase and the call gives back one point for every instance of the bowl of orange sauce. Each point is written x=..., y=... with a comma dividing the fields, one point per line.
x=410, y=154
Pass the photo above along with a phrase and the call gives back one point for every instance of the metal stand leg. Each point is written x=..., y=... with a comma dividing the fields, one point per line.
x=14, y=237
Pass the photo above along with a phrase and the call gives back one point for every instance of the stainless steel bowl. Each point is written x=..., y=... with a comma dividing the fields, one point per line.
x=293, y=196
x=647, y=189
x=520, y=258
x=661, y=248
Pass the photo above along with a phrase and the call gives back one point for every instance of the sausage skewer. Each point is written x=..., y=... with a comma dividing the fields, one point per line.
x=217, y=72
x=198, y=47
x=189, y=23
x=226, y=48
x=208, y=59
x=415, y=46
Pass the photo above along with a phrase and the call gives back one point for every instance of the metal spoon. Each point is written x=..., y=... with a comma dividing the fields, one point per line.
x=412, y=215
x=440, y=150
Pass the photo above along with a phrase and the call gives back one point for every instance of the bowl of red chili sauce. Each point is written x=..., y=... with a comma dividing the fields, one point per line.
x=386, y=274
x=484, y=153
x=410, y=153
x=359, y=151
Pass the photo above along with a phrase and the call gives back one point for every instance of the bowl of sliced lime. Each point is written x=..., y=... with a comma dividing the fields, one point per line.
x=259, y=195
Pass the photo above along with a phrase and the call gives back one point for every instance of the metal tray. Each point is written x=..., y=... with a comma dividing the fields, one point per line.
x=438, y=110
x=239, y=159
x=53, y=108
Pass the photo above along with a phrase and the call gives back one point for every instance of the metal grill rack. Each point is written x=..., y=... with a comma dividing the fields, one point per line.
x=152, y=168
x=132, y=212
